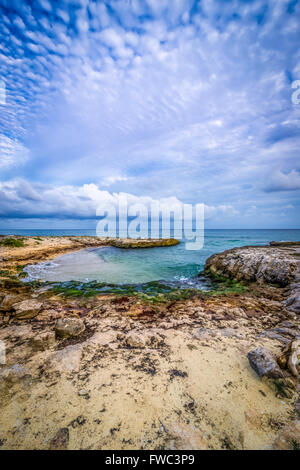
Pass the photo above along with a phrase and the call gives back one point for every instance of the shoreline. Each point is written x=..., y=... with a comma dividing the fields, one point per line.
x=38, y=248
x=107, y=370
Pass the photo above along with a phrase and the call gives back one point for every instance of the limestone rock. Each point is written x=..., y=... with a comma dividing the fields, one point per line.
x=204, y=333
x=231, y=333
x=47, y=315
x=140, y=341
x=264, y=363
x=43, y=341
x=8, y=301
x=67, y=359
x=26, y=309
x=293, y=300
x=261, y=264
x=9, y=376
x=294, y=357
x=68, y=327
x=141, y=243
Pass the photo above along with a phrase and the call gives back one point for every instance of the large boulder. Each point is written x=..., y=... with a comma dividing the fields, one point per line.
x=26, y=309
x=68, y=327
x=264, y=363
x=256, y=264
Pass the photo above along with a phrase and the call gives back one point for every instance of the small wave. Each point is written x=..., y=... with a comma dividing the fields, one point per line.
x=36, y=271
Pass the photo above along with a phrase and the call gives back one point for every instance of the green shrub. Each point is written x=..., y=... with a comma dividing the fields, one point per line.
x=12, y=242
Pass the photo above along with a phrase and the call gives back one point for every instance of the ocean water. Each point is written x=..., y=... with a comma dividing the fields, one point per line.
x=172, y=264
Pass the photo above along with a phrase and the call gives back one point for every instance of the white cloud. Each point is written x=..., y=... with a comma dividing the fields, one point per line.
x=280, y=181
x=23, y=199
x=12, y=153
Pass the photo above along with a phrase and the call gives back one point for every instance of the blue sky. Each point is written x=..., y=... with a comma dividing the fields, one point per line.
x=160, y=99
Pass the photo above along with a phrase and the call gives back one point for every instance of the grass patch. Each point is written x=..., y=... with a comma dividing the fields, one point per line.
x=12, y=242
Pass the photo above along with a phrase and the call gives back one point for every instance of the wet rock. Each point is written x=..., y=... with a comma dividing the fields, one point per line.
x=68, y=327
x=60, y=440
x=26, y=309
x=43, y=341
x=264, y=363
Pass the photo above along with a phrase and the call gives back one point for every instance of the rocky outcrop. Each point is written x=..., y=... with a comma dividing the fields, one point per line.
x=141, y=243
x=68, y=327
x=267, y=264
x=140, y=341
x=8, y=301
x=26, y=309
x=264, y=363
x=277, y=264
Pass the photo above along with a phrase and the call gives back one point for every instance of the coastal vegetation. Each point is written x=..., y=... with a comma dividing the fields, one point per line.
x=12, y=242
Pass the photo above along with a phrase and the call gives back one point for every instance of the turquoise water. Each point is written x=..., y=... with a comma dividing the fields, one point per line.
x=173, y=264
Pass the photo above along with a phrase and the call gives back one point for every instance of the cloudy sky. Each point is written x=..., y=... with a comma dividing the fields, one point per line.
x=186, y=99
